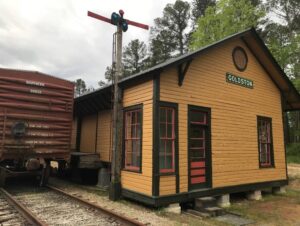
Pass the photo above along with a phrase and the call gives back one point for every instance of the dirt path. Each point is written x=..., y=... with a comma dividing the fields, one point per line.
x=294, y=170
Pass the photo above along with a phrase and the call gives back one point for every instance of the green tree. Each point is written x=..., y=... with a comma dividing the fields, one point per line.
x=282, y=37
x=169, y=36
x=80, y=87
x=133, y=57
x=224, y=19
x=288, y=11
x=199, y=7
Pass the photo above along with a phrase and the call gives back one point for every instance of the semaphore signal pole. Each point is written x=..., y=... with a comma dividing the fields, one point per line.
x=122, y=26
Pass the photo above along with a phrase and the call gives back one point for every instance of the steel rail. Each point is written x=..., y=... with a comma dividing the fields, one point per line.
x=26, y=213
x=122, y=219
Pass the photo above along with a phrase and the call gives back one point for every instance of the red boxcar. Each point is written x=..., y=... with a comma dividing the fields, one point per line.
x=35, y=121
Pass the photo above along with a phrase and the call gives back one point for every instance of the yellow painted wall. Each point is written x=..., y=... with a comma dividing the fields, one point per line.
x=104, y=135
x=234, y=123
x=88, y=133
x=141, y=182
x=74, y=134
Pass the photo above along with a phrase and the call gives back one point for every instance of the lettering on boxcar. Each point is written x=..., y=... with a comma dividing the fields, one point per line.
x=35, y=83
x=39, y=126
x=36, y=91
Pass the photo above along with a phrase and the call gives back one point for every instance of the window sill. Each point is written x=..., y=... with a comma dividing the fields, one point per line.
x=132, y=170
x=267, y=167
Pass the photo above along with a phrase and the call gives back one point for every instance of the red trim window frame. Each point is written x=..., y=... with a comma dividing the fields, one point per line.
x=203, y=123
x=133, y=140
x=265, y=142
x=167, y=140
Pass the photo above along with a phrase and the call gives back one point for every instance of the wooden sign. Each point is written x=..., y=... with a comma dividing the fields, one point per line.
x=237, y=80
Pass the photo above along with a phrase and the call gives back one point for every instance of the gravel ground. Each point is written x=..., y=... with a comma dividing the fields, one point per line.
x=56, y=209
x=132, y=210
x=9, y=216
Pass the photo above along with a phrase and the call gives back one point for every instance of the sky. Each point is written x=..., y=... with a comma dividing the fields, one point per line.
x=58, y=38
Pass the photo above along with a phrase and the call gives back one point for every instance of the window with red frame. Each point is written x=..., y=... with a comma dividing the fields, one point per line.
x=167, y=140
x=265, y=143
x=133, y=132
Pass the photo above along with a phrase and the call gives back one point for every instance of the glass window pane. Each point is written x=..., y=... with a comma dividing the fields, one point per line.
x=162, y=162
x=263, y=153
x=169, y=146
x=162, y=130
x=133, y=117
x=198, y=116
x=139, y=116
x=138, y=131
x=196, y=143
x=170, y=115
x=168, y=164
x=162, y=146
x=170, y=131
x=196, y=131
x=162, y=114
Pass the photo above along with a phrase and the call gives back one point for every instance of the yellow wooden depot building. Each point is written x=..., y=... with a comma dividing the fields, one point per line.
x=210, y=122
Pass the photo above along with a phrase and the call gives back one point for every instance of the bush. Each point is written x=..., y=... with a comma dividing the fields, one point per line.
x=293, y=153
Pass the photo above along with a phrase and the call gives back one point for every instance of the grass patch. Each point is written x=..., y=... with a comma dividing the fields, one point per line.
x=293, y=153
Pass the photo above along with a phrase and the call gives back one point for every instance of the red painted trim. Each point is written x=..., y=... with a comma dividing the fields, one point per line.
x=136, y=24
x=197, y=180
x=98, y=17
x=197, y=164
x=198, y=172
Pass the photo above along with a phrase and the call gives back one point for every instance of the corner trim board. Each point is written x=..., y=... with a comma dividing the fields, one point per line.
x=155, y=134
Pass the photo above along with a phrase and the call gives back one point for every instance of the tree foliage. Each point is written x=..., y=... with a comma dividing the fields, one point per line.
x=169, y=36
x=224, y=19
x=133, y=57
x=199, y=7
x=80, y=87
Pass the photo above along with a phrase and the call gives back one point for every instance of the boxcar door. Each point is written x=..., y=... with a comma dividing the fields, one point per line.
x=199, y=147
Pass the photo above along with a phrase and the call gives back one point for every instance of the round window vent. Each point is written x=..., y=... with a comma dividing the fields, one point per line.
x=240, y=58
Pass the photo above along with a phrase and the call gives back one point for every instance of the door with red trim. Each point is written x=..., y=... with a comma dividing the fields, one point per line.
x=199, y=148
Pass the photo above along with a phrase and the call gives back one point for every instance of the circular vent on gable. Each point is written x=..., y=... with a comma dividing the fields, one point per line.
x=240, y=58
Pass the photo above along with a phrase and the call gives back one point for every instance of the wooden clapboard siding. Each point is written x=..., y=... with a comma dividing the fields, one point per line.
x=88, y=133
x=167, y=185
x=74, y=134
x=141, y=182
x=234, y=110
x=104, y=135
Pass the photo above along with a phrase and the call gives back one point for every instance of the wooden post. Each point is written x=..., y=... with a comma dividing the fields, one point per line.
x=115, y=185
x=121, y=23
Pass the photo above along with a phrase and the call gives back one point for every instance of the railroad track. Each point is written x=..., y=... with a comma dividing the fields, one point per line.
x=52, y=206
x=11, y=213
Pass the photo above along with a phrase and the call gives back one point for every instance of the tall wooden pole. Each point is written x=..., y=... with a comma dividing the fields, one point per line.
x=115, y=186
x=122, y=25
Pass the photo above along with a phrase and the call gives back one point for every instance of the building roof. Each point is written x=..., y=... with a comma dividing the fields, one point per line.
x=89, y=103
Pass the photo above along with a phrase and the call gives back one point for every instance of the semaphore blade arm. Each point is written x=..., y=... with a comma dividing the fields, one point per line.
x=96, y=16
x=136, y=24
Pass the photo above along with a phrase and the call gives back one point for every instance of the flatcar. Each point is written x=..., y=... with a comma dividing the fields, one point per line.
x=35, y=123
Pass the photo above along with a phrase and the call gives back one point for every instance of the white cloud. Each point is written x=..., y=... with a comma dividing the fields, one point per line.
x=57, y=37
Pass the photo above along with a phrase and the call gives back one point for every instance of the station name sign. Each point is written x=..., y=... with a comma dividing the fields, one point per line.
x=237, y=80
